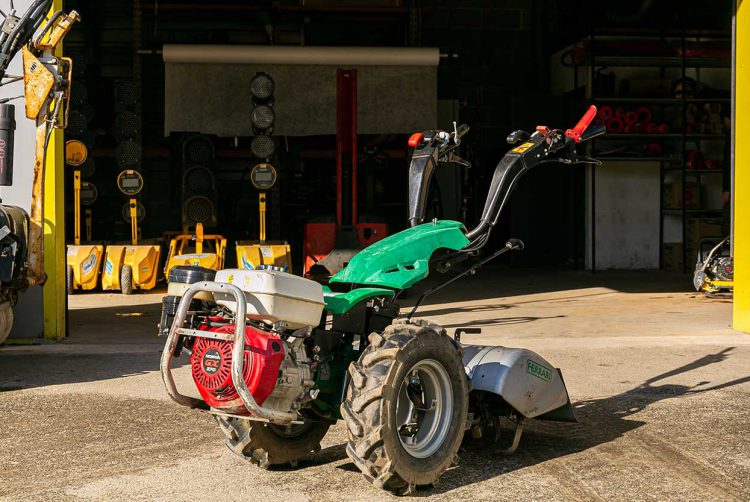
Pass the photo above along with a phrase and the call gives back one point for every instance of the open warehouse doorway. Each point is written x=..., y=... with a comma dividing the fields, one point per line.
x=660, y=74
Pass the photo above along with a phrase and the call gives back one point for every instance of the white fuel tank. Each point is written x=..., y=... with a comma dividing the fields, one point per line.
x=274, y=296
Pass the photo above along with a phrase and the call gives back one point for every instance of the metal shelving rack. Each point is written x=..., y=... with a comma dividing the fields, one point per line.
x=667, y=163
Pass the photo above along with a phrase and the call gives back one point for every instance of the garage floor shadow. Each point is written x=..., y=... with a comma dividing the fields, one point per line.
x=110, y=338
x=105, y=343
x=499, y=281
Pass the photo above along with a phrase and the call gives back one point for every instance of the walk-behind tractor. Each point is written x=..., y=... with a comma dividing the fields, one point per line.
x=46, y=78
x=135, y=266
x=278, y=358
x=714, y=268
x=83, y=261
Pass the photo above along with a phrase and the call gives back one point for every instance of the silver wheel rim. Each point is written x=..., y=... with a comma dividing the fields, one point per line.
x=435, y=420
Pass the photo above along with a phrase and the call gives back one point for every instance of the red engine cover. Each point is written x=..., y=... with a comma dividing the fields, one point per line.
x=212, y=368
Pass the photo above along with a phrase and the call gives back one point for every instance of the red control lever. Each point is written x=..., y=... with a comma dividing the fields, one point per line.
x=575, y=133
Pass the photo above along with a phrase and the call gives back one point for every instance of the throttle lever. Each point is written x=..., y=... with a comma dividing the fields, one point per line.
x=582, y=125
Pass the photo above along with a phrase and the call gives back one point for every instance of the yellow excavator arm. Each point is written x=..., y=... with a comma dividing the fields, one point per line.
x=47, y=80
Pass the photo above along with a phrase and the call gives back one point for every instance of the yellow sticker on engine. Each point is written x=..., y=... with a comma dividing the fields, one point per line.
x=523, y=147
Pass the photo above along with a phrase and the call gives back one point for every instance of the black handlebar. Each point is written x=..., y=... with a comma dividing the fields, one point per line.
x=543, y=146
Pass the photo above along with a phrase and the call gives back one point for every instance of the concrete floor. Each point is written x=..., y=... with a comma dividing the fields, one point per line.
x=660, y=383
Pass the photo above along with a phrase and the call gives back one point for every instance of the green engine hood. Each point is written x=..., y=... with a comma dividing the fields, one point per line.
x=402, y=259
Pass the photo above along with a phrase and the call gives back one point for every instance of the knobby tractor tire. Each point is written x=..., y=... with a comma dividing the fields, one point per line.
x=6, y=320
x=370, y=408
x=266, y=444
x=69, y=280
x=126, y=280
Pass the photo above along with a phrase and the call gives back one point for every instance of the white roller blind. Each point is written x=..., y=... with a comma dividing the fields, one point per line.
x=207, y=88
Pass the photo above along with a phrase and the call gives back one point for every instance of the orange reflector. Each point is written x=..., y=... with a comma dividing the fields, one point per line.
x=416, y=139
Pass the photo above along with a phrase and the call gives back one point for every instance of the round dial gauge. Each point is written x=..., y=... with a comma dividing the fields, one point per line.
x=130, y=182
x=263, y=176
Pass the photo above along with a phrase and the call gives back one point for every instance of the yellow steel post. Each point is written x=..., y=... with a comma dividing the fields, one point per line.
x=741, y=195
x=54, y=295
x=77, y=207
x=134, y=222
x=199, y=238
x=262, y=219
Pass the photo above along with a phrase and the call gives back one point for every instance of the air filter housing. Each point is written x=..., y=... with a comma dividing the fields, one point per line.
x=180, y=278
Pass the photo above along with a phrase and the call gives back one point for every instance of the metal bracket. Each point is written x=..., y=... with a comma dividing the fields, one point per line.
x=9, y=24
x=510, y=450
x=512, y=244
x=469, y=331
x=205, y=334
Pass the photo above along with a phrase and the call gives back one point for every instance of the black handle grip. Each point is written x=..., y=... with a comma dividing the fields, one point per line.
x=515, y=244
x=594, y=131
x=517, y=136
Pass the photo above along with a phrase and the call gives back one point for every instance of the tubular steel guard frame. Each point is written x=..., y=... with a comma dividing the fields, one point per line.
x=238, y=353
